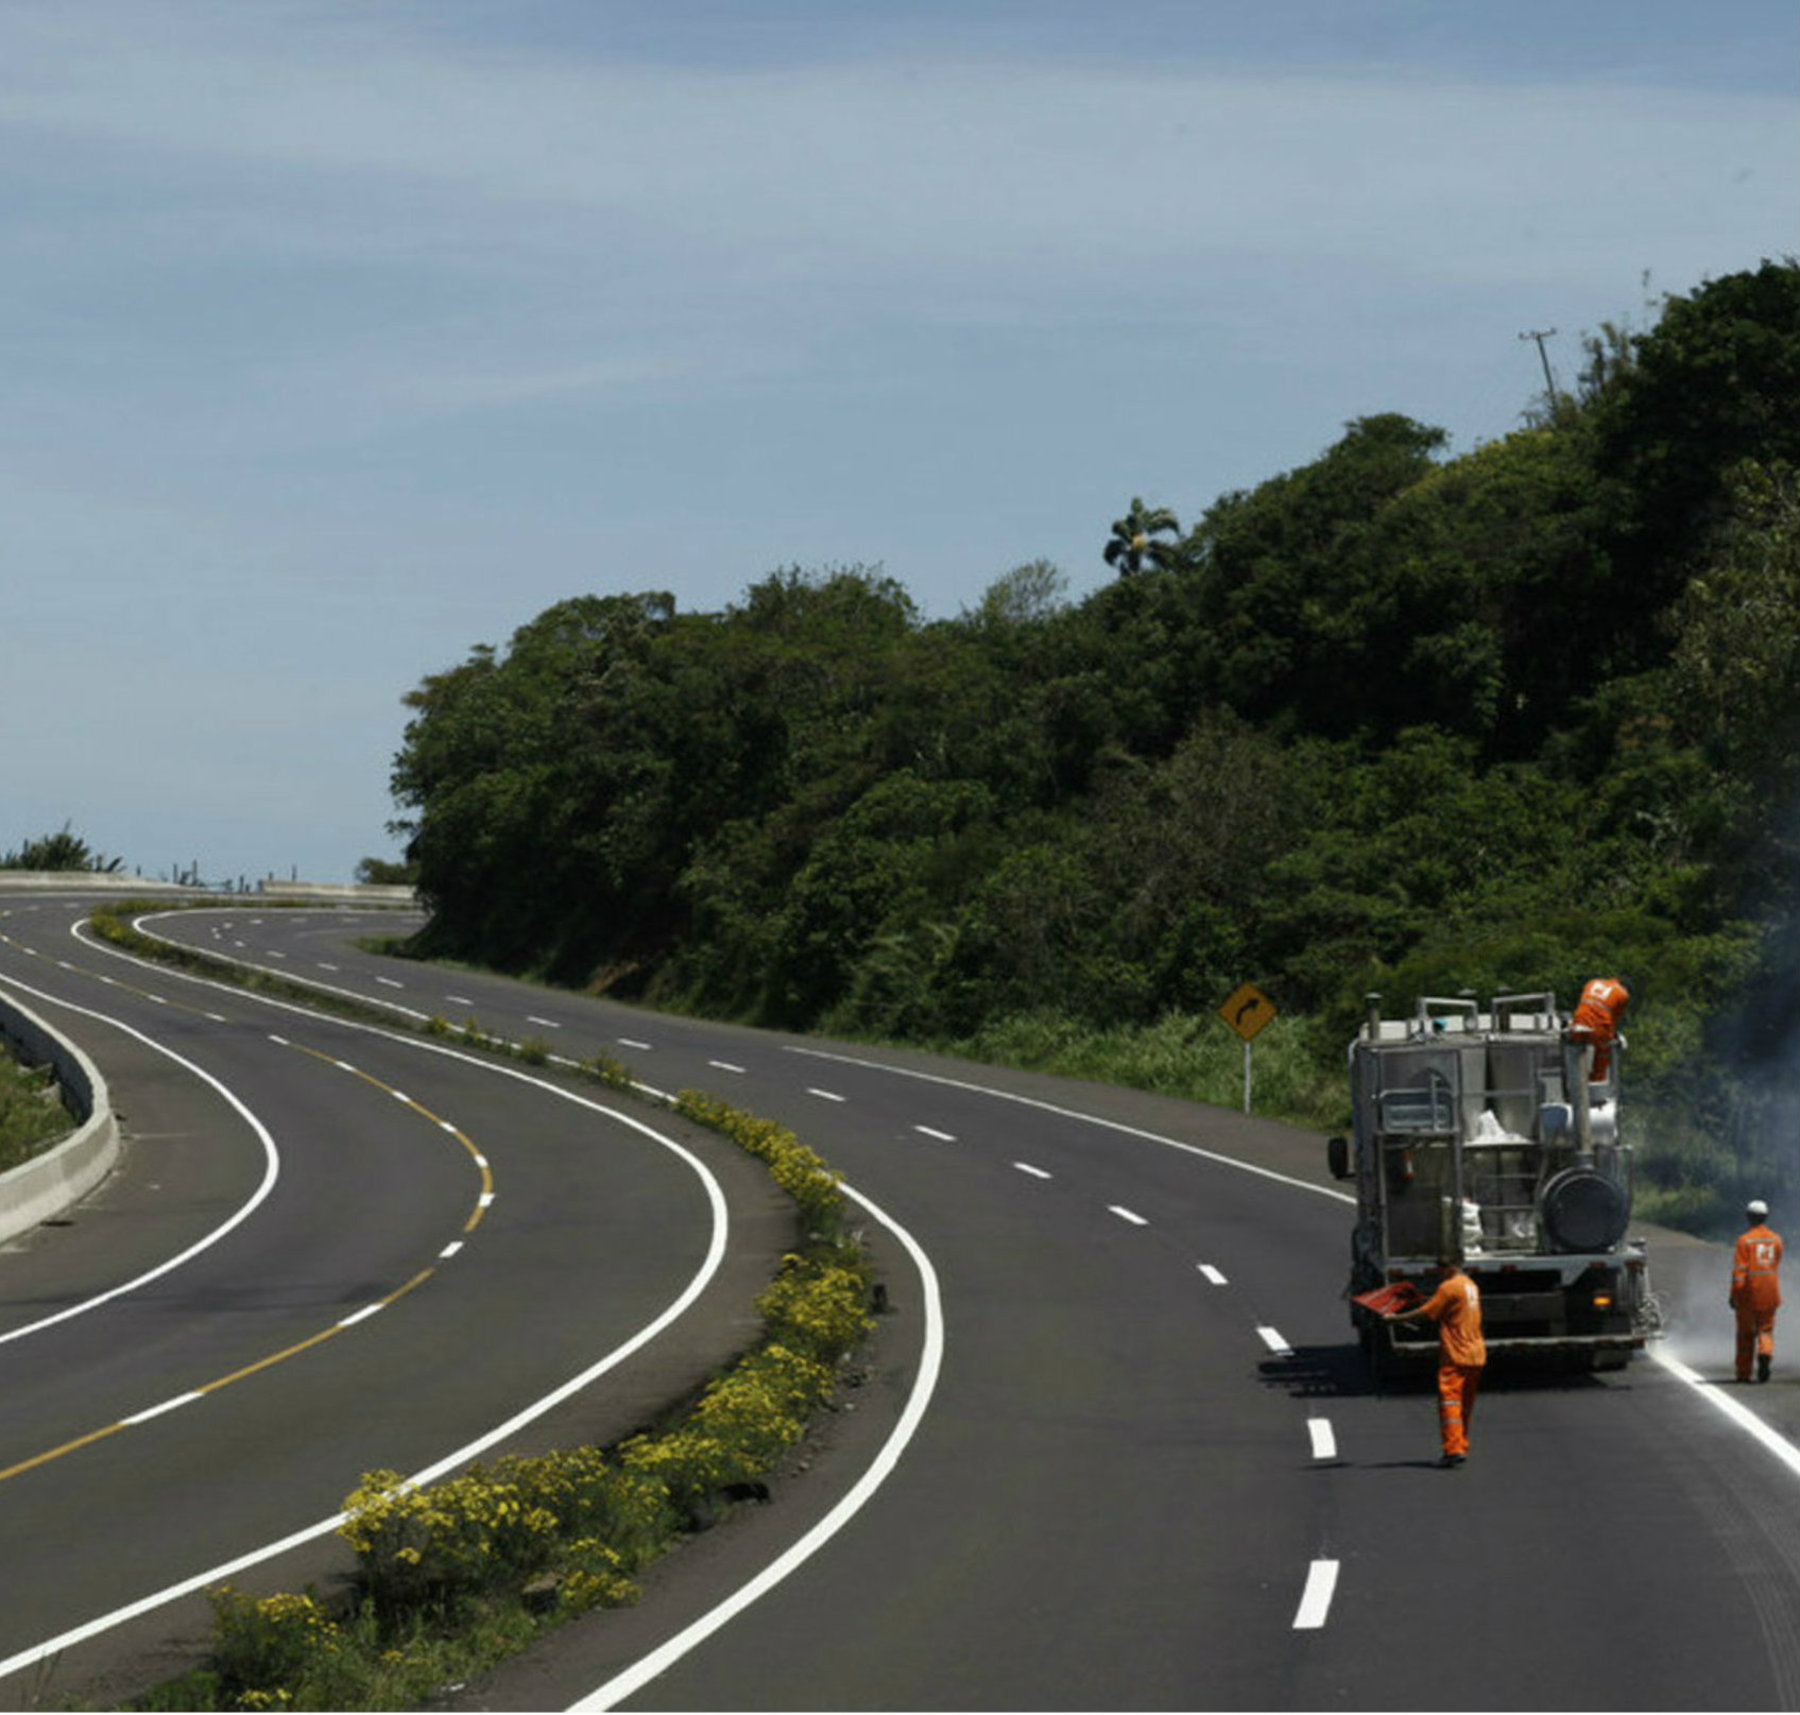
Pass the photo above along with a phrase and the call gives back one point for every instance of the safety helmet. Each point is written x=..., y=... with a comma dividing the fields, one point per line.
x=1757, y=1207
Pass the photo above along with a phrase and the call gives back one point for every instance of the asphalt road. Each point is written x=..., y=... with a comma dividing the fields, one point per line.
x=395, y=1258
x=1144, y=1467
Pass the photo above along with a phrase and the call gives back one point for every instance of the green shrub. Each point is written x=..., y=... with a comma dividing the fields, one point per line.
x=265, y=1647
x=32, y=1116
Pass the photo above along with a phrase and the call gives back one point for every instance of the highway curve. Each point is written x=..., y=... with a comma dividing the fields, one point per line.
x=1151, y=1473
x=384, y=1256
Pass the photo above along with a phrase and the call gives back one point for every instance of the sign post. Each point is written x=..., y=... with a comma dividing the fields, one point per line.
x=1247, y=1010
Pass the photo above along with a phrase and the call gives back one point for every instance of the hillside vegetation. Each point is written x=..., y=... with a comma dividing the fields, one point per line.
x=1394, y=721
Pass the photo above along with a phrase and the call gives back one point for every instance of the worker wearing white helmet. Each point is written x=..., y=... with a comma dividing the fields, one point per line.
x=1756, y=1291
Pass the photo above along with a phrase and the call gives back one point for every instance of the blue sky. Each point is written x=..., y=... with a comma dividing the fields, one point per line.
x=340, y=338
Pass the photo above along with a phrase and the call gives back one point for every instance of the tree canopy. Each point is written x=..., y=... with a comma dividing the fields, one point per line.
x=1505, y=718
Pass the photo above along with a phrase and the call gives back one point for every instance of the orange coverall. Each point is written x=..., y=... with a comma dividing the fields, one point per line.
x=1596, y=1019
x=1456, y=1309
x=1755, y=1294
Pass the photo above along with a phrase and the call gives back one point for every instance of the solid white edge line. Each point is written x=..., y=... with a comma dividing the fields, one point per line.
x=1783, y=1450
x=1075, y=1114
x=659, y=1660
x=461, y=1456
x=271, y=1172
x=142, y=924
x=1315, y=1600
x=1741, y=1415
x=709, y=1266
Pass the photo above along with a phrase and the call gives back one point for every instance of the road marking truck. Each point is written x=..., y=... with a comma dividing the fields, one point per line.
x=1485, y=1136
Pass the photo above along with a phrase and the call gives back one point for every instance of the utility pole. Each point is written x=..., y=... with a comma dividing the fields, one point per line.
x=1540, y=335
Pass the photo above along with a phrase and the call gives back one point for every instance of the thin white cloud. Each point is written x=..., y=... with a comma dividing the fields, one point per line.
x=837, y=169
x=352, y=216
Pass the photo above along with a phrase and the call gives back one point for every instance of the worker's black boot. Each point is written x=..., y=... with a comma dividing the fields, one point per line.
x=1762, y=1366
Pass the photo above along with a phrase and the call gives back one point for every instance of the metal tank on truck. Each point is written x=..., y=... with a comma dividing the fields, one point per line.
x=1493, y=1137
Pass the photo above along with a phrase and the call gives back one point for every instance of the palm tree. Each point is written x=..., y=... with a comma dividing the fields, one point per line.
x=1133, y=539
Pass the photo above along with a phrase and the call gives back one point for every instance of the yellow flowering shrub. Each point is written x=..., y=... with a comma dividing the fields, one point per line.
x=612, y=1072
x=596, y=1579
x=741, y=1426
x=819, y=1305
x=795, y=1168
x=266, y=1643
x=463, y=1535
x=498, y=1524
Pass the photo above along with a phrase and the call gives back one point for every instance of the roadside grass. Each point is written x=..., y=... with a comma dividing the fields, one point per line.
x=32, y=1115
x=1192, y=1056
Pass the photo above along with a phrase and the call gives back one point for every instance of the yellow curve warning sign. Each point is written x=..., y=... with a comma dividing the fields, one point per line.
x=1248, y=1010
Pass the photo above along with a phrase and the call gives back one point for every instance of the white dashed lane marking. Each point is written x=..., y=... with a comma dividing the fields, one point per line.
x=1315, y=1600
x=158, y=1410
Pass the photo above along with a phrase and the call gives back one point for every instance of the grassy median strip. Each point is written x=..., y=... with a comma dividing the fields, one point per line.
x=454, y=1578
x=32, y=1114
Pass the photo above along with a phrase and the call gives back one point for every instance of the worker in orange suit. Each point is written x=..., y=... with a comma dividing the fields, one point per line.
x=1756, y=1291
x=1597, y=1016
x=1462, y=1352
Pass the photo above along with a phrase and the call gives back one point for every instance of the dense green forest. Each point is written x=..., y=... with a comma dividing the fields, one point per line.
x=1394, y=721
